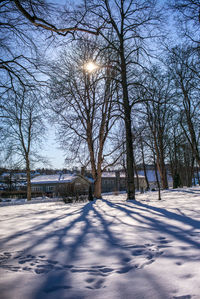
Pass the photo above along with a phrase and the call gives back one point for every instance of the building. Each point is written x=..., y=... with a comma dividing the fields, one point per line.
x=116, y=181
x=60, y=184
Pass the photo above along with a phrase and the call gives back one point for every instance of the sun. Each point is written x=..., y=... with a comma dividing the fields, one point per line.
x=90, y=66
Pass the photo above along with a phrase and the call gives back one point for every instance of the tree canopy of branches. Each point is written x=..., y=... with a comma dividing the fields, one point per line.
x=188, y=12
x=184, y=69
x=157, y=96
x=27, y=29
x=42, y=15
x=127, y=25
x=85, y=107
x=27, y=26
x=22, y=130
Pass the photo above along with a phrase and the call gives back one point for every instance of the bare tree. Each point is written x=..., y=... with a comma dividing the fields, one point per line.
x=23, y=129
x=181, y=159
x=126, y=27
x=141, y=144
x=184, y=68
x=157, y=95
x=84, y=105
x=175, y=139
x=27, y=29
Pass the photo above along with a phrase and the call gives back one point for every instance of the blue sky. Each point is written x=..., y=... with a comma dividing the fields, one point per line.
x=51, y=151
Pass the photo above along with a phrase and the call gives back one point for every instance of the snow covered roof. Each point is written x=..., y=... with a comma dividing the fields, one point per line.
x=112, y=174
x=54, y=178
x=67, y=178
x=108, y=174
x=150, y=175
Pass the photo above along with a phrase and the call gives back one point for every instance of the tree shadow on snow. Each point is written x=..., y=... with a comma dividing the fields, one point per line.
x=65, y=267
x=169, y=222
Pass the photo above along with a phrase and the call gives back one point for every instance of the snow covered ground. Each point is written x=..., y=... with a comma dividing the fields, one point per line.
x=108, y=248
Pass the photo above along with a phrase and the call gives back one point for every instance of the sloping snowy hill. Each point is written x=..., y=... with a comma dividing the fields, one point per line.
x=108, y=248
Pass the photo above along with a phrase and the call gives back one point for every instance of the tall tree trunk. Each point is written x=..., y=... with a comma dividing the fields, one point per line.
x=192, y=139
x=163, y=173
x=160, y=159
x=137, y=180
x=136, y=173
x=157, y=179
x=10, y=181
x=127, y=118
x=161, y=163
x=198, y=178
x=28, y=175
x=144, y=166
x=97, y=187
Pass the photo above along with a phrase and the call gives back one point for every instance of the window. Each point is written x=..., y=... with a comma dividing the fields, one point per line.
x=50, y=188
x=36, y=188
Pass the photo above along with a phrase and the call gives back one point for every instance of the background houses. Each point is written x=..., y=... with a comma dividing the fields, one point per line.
x=78, y=183
x=60, y=184
x=116, y=181
x=64, y=182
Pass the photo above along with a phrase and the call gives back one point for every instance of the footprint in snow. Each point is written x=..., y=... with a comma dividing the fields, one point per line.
x=178, y=263
x=141, y=256
x=125, y=269
x=95, y=284
x=161, y=238
x=163, y=242
x=138, y=252
x=5, y=256
x=144, y=255
x=183, y=297
x=126, y=259
x=90, y=280
x=106, y=270
x=186, y=276
x=27, y=262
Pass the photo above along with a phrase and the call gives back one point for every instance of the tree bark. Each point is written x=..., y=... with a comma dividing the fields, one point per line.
x=97, y=187
x=161, y=162
x=198, y=178
x=157, y=179
x=127, y=117
x=144, y=166
x=136, y=174
x=163, y=174
x=28, y=175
